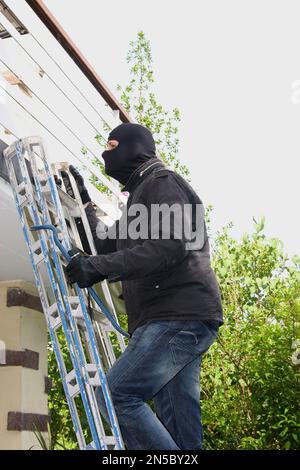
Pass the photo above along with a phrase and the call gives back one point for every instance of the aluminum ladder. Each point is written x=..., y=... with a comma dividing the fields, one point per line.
x=89, y=329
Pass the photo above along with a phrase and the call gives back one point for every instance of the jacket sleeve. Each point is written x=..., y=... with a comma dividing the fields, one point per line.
x=103, y=245
x=156, y=253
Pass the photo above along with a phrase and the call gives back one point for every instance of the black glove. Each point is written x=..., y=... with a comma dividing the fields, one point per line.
x=81, y=270
x=85, y=197
x=58, y=181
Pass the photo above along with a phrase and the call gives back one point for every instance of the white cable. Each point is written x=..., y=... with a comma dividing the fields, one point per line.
x=3, y=20
x=59, y=119
x=98, y=174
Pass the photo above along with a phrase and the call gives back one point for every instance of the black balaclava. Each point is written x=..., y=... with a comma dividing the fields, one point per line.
x=136, y=146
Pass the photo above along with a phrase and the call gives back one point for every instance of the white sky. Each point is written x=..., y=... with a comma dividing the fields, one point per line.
x=230, y=68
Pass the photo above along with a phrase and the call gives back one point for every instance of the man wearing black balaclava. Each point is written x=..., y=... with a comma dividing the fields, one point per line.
x=135, y=147
x=171, y=297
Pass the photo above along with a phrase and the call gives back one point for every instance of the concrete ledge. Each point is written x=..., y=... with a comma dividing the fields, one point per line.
x=17, y=297
x=26, y=358
x=17, y=421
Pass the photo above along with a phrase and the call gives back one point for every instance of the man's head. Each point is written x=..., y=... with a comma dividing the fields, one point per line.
x=129, y=145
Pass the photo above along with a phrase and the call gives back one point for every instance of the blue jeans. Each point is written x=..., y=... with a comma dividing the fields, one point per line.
x=161, y=362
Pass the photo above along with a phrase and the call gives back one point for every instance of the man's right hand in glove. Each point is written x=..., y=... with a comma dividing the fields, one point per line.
x=81, y=270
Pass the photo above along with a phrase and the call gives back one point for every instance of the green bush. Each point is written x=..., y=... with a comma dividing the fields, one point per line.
x=250, y=385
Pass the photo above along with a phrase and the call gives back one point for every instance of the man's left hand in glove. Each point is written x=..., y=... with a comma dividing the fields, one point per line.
x=81, y=270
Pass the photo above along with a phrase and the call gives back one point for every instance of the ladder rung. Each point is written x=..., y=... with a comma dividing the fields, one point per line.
x=22, y=195
x=110, y=441
x=106, y=326
x=94, y=378
x=54, y=316
x=72, y=384
x=37, y=252
x=21, y=189
x=76, y=307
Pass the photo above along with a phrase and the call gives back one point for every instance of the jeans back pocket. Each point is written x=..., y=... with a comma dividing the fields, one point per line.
x=187, y=344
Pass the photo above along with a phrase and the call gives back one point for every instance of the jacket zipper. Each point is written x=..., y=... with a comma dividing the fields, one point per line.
x=142, y=172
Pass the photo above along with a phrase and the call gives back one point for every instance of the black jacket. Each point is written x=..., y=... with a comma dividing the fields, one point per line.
x=161, y=279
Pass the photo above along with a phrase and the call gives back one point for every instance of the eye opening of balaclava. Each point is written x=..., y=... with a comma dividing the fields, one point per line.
x=136, y=146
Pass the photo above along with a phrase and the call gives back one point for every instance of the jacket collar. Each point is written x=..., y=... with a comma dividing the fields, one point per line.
x=141, y=172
